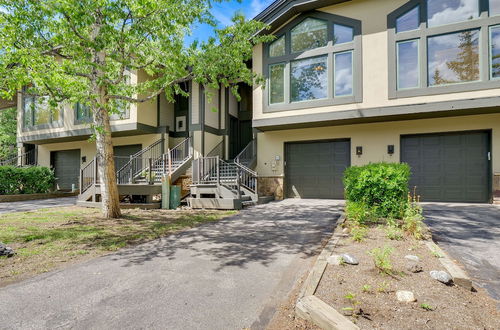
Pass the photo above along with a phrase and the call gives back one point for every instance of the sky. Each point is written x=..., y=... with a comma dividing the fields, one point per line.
x=224, y=11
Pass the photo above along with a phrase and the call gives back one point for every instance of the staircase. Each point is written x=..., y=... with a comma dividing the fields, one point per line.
x=142, y=172
x=219, y=184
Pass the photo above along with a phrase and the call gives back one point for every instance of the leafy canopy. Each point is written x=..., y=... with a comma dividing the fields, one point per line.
x=69, y=49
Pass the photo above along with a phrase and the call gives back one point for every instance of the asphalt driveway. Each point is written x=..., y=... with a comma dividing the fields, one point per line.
x=470, y=233
x=38, y=204
x=225, y=275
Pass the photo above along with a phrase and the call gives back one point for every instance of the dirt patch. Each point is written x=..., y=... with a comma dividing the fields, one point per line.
x=50, y=239
x=363, y=288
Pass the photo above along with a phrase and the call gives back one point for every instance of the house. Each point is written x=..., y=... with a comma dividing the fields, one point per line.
x=149, y=139
x=347, y=83
x=360, y=81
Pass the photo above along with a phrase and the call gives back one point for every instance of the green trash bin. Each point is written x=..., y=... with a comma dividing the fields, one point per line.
x=175, y=197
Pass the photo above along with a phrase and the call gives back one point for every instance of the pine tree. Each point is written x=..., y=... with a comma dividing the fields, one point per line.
x=466, y=65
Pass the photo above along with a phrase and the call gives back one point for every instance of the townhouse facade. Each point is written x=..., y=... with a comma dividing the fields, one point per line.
x=360, y=81
x=347, y=83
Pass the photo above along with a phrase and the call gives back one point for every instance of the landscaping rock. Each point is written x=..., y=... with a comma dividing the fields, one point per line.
x=412, y=258
x=441, y=276
x=405, y=296
x=348, y=259
x=6, y=251
x=413, y=267
x=334, y=259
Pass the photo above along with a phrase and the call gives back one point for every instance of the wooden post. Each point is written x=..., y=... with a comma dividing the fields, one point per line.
x=169, y=166
x=150, y=162
x=218, y=170
x=238, y=183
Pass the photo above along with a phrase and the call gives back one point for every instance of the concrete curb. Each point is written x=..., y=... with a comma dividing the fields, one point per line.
x=310, y=307
x=459, y=276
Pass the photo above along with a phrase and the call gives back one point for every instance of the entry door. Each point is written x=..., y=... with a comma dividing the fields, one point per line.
x=316, y=169
x=123, y=154
x=451, y=167
x=66, y=164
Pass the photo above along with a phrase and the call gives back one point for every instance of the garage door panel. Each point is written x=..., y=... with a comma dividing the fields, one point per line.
x=450, y=167
x=315, y=169
x=66, y=168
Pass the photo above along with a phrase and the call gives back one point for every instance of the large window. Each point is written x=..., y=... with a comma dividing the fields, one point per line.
x=314, y=61
x=37, y=113
x=442, y=46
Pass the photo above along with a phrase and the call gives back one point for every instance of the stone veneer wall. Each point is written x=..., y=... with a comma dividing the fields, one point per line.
x=271, y=186
x=496, y=185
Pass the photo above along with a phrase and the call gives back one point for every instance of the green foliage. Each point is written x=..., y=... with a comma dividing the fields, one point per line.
x=383, y=287
x=27, y=180
x=358, y=233
x=359, y=212
x=381, y=186
x=413, y=218
x=8, y=130
x=426, y=307
x=382, y=259
x=393, y=231
x=366, y=288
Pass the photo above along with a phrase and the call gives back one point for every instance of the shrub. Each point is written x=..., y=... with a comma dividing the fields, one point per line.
x=358, y=212
x=358, y=233
x=380, y=186
x=413, y=218
x=27, y=180
x=382, y=259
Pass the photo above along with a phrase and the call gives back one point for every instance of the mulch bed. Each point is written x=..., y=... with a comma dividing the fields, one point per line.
x=453, y=307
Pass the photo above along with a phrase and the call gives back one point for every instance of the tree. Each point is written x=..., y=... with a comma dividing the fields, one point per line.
x=466, y=65
x=8, y=129
x=81, y=51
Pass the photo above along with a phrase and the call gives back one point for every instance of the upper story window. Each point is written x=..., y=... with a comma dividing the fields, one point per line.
x=37, y=112
x=442, y=46
x=314, y=61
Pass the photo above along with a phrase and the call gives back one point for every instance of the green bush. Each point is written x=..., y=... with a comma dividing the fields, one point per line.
x=27, y=180
x=382, y=187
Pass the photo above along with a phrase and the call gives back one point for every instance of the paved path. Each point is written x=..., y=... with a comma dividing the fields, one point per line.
x=36, y=204
x=470, y=233
x=225, y=275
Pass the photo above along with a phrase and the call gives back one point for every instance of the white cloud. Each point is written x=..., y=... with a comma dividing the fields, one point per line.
x=257, y=6
x=343, y=81
x=461, y=11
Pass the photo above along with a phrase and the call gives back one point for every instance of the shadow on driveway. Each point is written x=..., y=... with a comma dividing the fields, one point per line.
x=470, y=233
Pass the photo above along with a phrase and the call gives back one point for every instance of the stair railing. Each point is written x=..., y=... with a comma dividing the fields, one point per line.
x=218, y=150
x=248, y=154
x=139, y=162
x=247, y=178
x=88, y=175
x=25, y=159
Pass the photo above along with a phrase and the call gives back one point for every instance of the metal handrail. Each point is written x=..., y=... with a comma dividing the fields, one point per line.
x=27, y=158
x=248, y=154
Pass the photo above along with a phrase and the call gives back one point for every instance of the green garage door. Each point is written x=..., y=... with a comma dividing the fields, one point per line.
x=123, y=153
x=66, y=165
x=451, y=167
x=315, y=169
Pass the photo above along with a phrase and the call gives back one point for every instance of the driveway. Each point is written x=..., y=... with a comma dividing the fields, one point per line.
x=229, y=274
x=38, y=204
x=470, y=233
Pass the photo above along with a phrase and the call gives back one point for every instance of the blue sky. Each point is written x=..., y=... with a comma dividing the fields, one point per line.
x=224, y=11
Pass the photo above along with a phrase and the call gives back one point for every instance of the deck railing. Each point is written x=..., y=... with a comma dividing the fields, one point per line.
x=25, y=159
x=248, y=155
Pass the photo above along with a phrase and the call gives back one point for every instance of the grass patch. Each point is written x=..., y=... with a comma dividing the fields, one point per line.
x=45, y=239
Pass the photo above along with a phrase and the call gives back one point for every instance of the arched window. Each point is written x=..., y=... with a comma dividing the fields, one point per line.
x=444, y=46
x=314, y=61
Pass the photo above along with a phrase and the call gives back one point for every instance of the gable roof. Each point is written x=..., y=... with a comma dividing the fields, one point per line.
x=280, y=11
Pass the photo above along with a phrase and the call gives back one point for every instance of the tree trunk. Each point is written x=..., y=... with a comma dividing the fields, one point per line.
x=106, y=162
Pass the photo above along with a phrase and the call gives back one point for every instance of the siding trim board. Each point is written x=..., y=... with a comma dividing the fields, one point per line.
x=403, y=112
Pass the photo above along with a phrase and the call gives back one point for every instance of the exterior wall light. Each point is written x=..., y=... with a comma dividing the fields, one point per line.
x=390, y=149
x=359, y=150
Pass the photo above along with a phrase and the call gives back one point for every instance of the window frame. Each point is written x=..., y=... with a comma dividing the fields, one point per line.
x=85, y=120
x=329, y=50
x=53, y=124
x=482, y=22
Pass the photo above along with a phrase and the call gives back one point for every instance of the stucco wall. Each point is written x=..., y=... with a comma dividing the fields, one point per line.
x=374, y=139
x=375, y=70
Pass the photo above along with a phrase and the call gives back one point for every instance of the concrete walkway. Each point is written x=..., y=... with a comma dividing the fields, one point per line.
x=470, y=233
x=38, y=204
x=225, y=275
